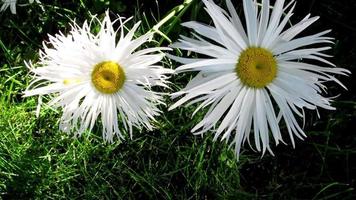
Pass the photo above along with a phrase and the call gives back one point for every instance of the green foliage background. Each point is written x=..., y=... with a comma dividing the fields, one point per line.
x=39, y=162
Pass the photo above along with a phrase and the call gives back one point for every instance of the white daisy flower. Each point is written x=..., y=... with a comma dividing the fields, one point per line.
x=12, y=5
x=95, y=76
x=254, y=79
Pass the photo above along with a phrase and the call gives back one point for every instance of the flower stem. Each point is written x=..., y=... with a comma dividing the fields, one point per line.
x=176, y=12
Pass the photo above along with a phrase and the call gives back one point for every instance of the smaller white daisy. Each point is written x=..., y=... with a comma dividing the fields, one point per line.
x=95, y=76
x=12, y=5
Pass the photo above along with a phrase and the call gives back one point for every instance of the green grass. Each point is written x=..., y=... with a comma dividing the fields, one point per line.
x=37, y=161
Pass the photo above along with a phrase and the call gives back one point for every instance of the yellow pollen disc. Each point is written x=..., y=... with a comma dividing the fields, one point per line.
x=256, y=67
x=108, y=77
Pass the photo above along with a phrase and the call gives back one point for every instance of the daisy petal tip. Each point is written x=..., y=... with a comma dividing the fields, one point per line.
x=170, y=108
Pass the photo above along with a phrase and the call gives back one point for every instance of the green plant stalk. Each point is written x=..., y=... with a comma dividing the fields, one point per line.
x=177, y=11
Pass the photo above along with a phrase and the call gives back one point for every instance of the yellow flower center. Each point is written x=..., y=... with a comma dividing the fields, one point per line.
x=108, y=77
x=256, y=67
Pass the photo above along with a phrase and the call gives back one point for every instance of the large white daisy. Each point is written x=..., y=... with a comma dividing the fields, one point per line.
x=257, y=77
x=12, y=5
x=94, y=75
